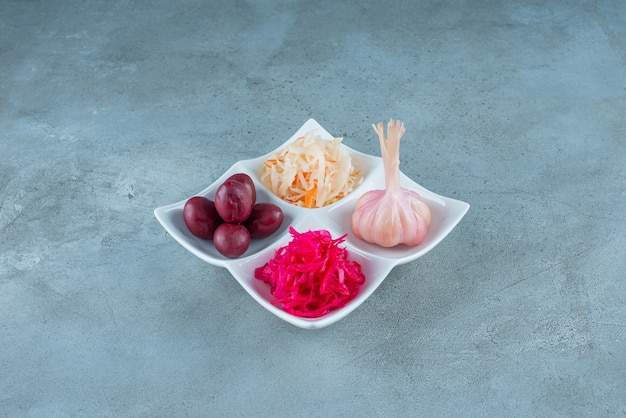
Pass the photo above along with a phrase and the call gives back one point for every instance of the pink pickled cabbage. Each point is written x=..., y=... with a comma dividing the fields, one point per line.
x=312, y=276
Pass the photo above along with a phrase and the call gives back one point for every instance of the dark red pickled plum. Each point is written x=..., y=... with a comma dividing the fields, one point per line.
x=247, y=181
x=201, y=217
x=233, y=202
x=231, y=240
x=264, y=220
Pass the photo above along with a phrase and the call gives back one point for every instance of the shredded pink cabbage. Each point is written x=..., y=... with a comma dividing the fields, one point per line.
x=312, y=276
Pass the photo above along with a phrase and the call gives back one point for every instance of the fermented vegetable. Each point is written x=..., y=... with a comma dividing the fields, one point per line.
x=201, y=217
x=311, y=172
x=233, y=219
x=234, y=201
x=312, y=275
x=231, y=240
x=247, y=181
x=394, y=215
x=264, y=220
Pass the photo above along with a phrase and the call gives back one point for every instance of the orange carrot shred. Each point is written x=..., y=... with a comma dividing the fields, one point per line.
x=309, y=198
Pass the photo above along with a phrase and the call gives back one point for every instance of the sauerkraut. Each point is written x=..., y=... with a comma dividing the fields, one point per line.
x=311, y=172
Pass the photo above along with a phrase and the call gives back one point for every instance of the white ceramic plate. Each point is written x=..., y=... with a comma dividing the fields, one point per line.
x=375, y=261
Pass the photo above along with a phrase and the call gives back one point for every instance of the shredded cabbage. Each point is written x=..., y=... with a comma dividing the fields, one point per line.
x=312, y=275
x=311, y=172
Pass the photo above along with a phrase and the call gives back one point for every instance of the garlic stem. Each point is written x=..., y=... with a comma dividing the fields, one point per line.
x=390, y=151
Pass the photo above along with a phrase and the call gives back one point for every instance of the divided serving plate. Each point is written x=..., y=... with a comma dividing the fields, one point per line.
x=375, y=261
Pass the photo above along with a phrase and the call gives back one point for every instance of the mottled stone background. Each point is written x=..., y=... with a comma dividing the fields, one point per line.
x=109, y=109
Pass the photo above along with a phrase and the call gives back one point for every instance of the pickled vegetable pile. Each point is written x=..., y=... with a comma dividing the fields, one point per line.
x=312, y=275
x=311, y=172
x=233, y=218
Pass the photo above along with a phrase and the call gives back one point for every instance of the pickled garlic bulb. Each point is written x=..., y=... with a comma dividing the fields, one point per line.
x=395, y=215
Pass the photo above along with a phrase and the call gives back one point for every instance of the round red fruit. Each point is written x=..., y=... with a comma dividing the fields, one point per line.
x=233, y=201
x=247, y=181
x=231, y=240
x=201, y=217
x=264, y=220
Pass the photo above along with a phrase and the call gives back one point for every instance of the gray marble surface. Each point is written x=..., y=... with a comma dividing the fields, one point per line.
x=109, y=109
